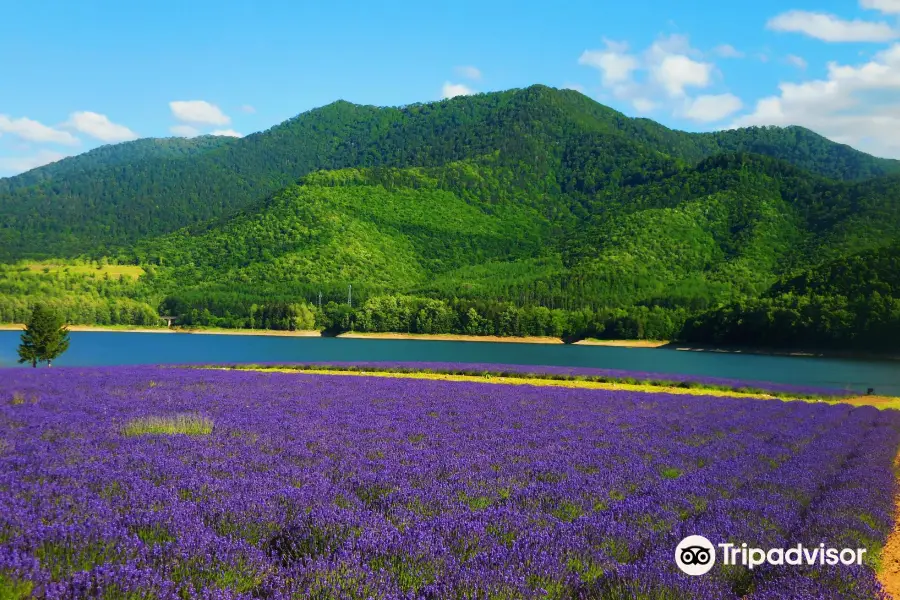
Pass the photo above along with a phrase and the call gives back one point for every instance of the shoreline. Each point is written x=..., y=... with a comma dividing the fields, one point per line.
x=175, y=330
x=258, y=332
x=623, y=343
x=450, y=337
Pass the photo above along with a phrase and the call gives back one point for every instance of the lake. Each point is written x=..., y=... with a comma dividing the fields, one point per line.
x=119, y=348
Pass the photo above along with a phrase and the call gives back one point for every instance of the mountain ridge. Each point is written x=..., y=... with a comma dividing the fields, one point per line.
x=525, y=212
x=111, y=206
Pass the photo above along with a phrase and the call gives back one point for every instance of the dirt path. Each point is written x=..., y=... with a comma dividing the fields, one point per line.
x=889, y=576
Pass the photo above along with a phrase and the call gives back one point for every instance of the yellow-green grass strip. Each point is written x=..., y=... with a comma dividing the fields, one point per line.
x=882, y=402
x=177, y=425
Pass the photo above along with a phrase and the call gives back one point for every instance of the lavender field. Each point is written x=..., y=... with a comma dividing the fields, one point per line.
x=294, y=485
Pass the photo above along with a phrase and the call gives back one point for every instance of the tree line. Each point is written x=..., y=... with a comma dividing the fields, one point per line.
x=414, y=314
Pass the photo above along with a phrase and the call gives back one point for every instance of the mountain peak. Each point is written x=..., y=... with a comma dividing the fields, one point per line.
x=540, y=129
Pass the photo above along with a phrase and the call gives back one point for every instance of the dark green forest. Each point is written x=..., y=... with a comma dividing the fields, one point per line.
x=526, y=212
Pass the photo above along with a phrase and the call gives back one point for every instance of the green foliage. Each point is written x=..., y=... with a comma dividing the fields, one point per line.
x=179, y=425
x=12, y=588
x=63, y=557
x=78, y=294
x=847, y=303
x=45, y=337
x=526, y=212
x=107, y=199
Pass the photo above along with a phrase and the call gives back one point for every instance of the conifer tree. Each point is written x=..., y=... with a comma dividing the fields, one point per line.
x=45, y=337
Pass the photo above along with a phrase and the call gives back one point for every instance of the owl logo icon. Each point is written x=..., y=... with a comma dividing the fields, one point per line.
x=695, y=555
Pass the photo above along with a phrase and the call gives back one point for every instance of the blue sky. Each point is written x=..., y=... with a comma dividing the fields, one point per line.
x=76, y=75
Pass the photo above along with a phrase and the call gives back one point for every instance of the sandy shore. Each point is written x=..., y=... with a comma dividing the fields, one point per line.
x=19, y=327
x=269, y=332
x=211, y=331
x=622, y=343
x=451, y=337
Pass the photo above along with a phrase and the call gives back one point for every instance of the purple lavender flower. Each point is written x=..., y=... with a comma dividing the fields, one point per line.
x=335, y=486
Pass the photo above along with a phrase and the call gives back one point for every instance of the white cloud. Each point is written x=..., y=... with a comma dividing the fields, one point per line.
x=198, y=111
x=100, y=127
x=13, y=165
x=676, y=72
x=659, y=77
x=885, y=6
x=248, y=109
x=711, y=108
x=671, y=44
x=184, y=131
x=227, y=133
x=451, y=90
x=469, y=72
x=614, y=63
x=727, y=51
x=797, y=61
x=644, y=105
x=668, y=63
x=33, y=131
x=856, y=105
x=830, y=28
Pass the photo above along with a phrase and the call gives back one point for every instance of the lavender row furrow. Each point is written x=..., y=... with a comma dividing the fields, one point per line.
x=326, y=486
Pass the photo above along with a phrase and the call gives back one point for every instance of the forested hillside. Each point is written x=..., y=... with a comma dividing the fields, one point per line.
x=850, y=302
x=112, y=155
x=108, y=199
x=527, y=212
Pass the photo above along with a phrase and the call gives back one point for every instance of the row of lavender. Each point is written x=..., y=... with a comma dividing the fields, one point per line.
x=352, y=487
x=616, y=374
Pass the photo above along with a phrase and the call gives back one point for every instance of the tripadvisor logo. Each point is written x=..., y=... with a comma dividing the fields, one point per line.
x=696, y=555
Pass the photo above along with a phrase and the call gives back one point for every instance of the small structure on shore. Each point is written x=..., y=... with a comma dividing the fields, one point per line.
x=168, y=321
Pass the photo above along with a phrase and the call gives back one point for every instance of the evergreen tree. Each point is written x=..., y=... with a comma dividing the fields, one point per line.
x=45, y=337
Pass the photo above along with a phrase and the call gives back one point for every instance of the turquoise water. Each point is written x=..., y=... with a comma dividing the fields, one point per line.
x=115, y=348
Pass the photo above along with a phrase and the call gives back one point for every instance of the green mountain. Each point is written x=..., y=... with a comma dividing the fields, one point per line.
x=113, y=155
x=726, y=228
x=527, y=212
x=114, y=196
x=852, y=302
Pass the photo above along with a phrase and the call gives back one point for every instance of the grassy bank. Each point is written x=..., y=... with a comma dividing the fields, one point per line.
x=57, y=267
